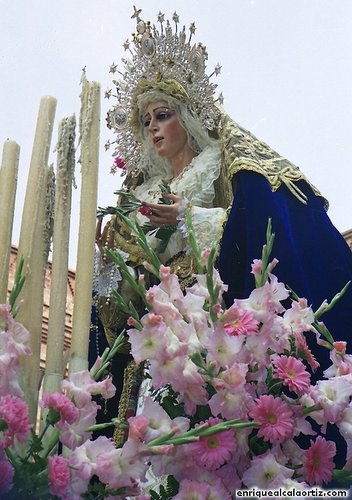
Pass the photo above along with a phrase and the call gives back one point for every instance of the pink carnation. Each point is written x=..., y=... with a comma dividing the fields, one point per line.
x=6, y=476
x=319, y=462
x=214, y=450
x=14, y=412
x=293, y=373
x=59, y=475
x=119, y=163
x=144, y=210
x=276, y=418
x=57, y=401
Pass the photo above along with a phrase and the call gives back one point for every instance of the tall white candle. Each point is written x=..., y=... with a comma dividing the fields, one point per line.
x=8, y=186
x=33, y=247
x=89, y=130
x=54, y=366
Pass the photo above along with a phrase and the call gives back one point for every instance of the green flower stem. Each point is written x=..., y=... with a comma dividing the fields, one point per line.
x=192, y=241
x=326, y=307
x=47, y=425
x=274, y=386
x=162, y=439
x=108, y=355
x=323, y=309
x=12, y=459
x=200, y=431
x=139, y=288
x=115, y=421
x=142, y=241
x=311, y=409
x=266, y=252
x=213, y=290
x=17, y=286
x=342, y=477
x=54, y=439
x=203, y=367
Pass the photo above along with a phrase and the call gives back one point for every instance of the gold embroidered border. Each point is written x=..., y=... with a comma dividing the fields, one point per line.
x=128, y=379
x=243, y=151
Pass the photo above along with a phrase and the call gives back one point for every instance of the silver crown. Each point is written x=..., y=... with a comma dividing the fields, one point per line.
x=163, y=59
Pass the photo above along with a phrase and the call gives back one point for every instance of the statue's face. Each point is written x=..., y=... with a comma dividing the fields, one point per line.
x=165, y=130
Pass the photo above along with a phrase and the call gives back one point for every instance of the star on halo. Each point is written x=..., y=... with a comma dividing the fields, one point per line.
x=136, y=12
x=113, y=68
x=161, y=17
x=192, y=28
x=217, y=69
x=175, y=17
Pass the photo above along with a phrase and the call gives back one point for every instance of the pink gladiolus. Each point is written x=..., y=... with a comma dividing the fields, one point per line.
x=223, y=348
x=293, y=373
x=57, y=401
x=299, y=317
x=265, y=471
x=257, y=266
x=17, y=336
x=340, y=346
x=276, y=418
x=230, y=405
x=58, y=475
x=119, y=467
x=333, y=396
x=137, y=427
x=73, y=435
x=131, y=321
x=156, y=341
x=303, y=346
x=14, y=412
x=6, y=476
x=214, y=450
x=80, y=386
x=319, y=462
x=83, y=459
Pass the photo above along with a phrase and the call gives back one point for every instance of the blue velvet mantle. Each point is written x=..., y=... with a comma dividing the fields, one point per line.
x=314, y=259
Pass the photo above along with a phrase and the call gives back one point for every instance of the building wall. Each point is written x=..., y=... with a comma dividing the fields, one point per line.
x=47, y=285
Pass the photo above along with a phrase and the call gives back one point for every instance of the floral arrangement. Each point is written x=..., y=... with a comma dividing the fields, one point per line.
x=230, y=391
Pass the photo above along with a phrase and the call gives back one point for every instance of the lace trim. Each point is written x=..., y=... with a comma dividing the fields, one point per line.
x=196, y=182
x=206, y=222
x=106, y=276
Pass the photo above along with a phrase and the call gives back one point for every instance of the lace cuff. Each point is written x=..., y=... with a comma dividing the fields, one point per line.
x=206, y=225
x=181, y=216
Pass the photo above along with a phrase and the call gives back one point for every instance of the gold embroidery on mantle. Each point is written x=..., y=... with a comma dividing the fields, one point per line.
x=243, y=151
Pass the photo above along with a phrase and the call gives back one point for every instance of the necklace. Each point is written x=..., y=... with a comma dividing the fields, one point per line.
x=183, y=171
